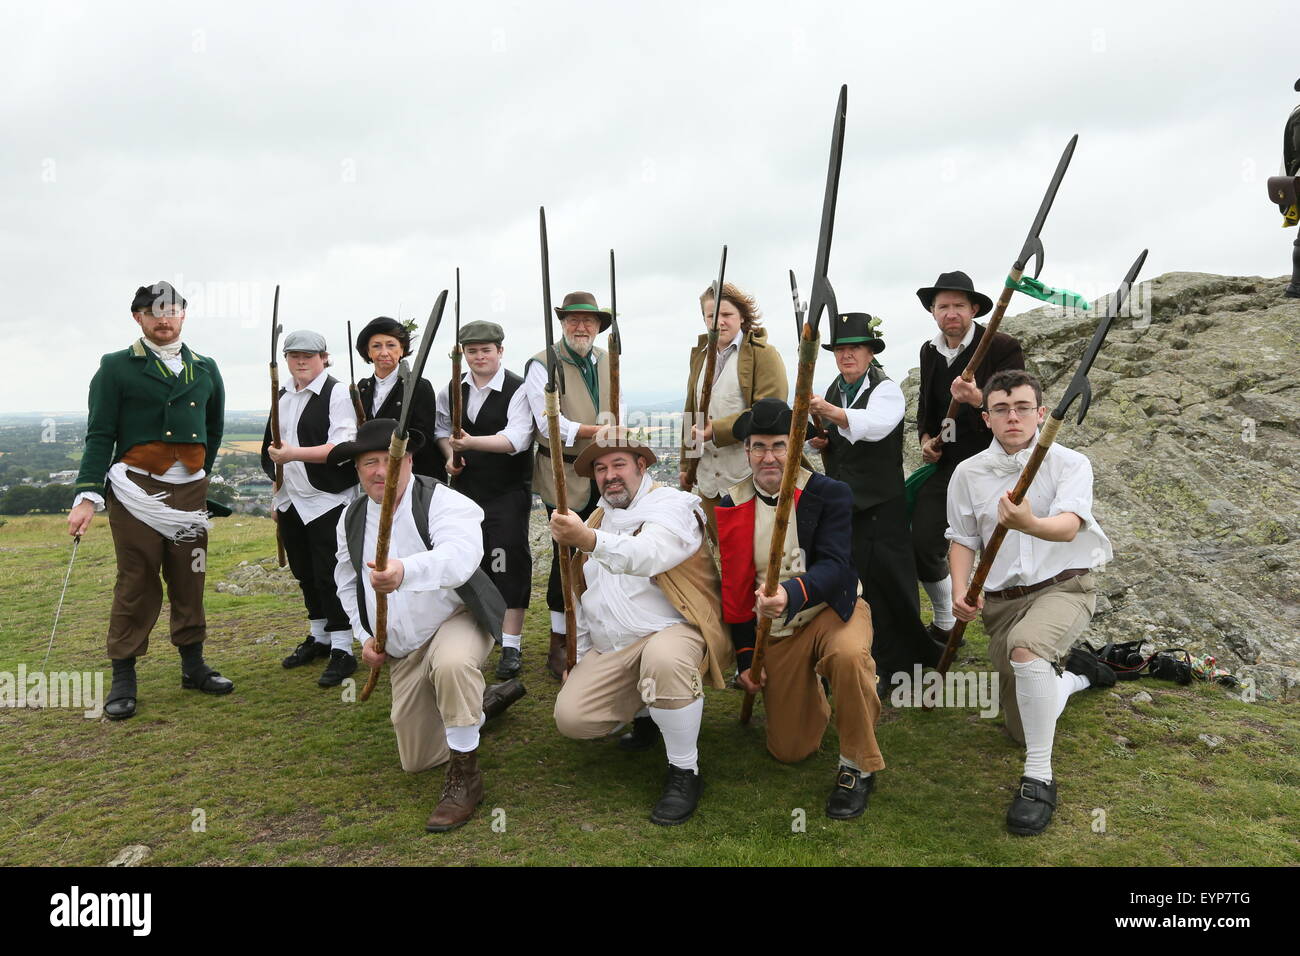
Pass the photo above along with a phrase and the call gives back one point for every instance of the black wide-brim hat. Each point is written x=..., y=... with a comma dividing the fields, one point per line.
x=374, y=435
x=584, y=303
x=855, y=328
x=380, y=326
x=768, y=416
x=955, y=282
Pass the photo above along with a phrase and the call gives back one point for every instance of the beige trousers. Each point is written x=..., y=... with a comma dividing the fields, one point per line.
x=1046, y=623
x=435, y=687
x=605, y=691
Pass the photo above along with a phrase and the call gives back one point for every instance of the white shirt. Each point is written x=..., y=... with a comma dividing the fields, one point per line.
x=535, y=389
x=519, y=421
x=383, y=386
x=309, y=500
x=621, y=604
x=951, y=354
x=884, y=411
x=427, y=595
x=1063, y=483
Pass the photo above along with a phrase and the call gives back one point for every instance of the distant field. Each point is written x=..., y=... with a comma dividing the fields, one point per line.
x=251, y=446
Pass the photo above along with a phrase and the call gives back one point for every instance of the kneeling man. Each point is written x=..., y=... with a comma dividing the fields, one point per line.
x=649, y=621
x=443, y=614
x=1039, y=595
x=821, y=627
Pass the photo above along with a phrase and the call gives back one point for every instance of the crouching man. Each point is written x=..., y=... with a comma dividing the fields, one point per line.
x=821, y=627
x=1039, y=595
x=443, y=614
x=649, y=619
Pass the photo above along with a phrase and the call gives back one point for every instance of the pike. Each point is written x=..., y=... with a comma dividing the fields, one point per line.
x=457, y=407
x=276, y=329
x=823, y=300
x=615, y=345
x=352, y=383
x=396, y=452
x=557, y=445
x=1079, y=388
x=800, y=309
x=1031, y=250
x=710, y=365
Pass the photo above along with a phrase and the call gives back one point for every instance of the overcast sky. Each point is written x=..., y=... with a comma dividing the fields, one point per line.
x=357, y=153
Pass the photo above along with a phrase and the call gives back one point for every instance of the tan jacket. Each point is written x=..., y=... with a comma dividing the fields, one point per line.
x=761, y=373
x=695, y=590
x=575, y=405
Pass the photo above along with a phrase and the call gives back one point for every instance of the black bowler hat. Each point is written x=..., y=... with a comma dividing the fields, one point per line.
x=856, y=328
x=374, y=435
x=769, y=416
x=955, y=282
x=153, y=298
x=382, y=326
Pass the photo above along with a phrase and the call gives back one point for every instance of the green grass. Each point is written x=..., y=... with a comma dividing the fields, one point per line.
x=286, y=773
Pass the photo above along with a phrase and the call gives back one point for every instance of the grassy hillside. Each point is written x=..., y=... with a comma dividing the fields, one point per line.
x=283, y=772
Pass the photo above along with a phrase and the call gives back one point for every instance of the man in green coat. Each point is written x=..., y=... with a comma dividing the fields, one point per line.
x=155, y=424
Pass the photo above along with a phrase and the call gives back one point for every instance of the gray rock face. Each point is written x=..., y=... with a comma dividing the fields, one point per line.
x=1194, y=437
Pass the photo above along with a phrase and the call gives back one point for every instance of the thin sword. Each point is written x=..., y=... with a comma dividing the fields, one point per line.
x=75, y=541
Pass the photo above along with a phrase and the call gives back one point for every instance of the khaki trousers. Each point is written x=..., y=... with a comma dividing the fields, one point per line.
x=797, y=709
x=1046, y=623
x=435, y=687
x=141, y=553
x=605, y=691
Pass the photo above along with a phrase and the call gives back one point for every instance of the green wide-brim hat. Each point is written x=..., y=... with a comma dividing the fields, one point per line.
x=856, y=328
x=584, y=303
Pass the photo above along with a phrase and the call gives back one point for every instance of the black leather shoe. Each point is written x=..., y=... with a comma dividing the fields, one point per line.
x=940, y=636
x=643, y=735
x=120, y=709
x=510, y=663
x=497, y=697
x=208, y=681
x=306, y=652
x=1031, y=810
x=342, y=664
x=680, y=796
x=850, y=796
x=1085, y=663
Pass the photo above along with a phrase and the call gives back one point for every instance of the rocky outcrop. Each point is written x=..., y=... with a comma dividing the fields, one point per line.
x=1194, y=436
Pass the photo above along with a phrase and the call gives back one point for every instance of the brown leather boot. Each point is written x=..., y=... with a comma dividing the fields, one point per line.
x=461, y=793
x=558, y=656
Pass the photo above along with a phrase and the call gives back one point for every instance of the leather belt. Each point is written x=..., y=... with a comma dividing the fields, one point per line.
x=1009, y=594
x=545, y=452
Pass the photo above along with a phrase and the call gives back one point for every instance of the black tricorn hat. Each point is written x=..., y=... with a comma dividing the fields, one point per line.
x=374, y=435
x=382, y=325
x=160, y=295
x=955, y=282
x=584, y=303
x=856, y=328
x=769, y=416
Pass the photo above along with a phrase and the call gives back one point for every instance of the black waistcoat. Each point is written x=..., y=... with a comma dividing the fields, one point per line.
x=314, y=429
x=487, y=474
x=873, y=470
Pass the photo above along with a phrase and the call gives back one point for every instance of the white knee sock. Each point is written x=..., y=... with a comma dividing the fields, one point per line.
x=318, y=630
x=940, y=593
x=846, y=762
x=340, y=640
x=558, y=624
x=1036, y=694
x=464, y=739
x=681, y=730
x=512, y=640
x=1066, y=685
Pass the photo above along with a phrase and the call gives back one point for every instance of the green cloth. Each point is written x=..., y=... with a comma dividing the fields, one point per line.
x=1045, y=293
x=912, y=487
x=850, y=392
x=134, y=398
x=587, y=369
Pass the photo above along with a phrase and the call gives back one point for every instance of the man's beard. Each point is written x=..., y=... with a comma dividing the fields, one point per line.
x=619, y=497
x=580, y=349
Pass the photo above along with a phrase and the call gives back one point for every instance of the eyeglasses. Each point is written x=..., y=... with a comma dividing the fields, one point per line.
x=776, y=449
x=1022, y=410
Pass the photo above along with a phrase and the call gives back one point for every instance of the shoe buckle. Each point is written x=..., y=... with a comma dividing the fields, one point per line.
x=850, y=777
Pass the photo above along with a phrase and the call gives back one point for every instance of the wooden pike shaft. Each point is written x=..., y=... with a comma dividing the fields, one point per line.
x=279, y=469
x=990, y=551
x=706, y=394
x=396, y=452
x=785, y=503
x=562, y=506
